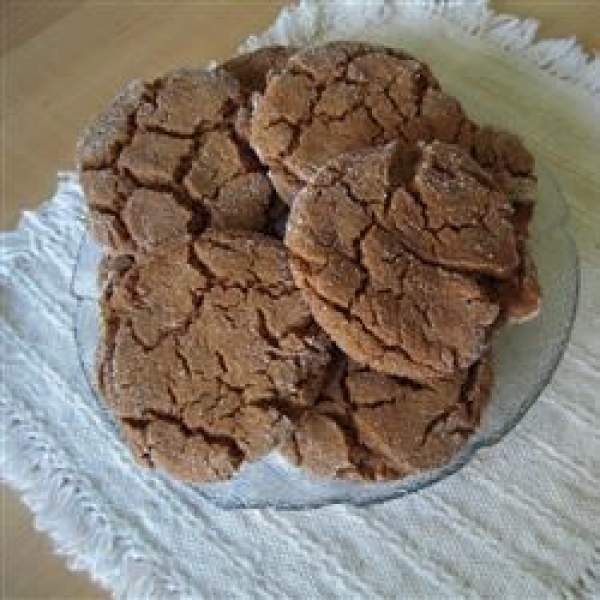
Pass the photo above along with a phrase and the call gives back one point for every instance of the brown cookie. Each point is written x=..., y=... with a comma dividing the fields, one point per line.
x=394, y=250
x=370, y=426
x=208, y=348
x=164, y=160
x=341, y=97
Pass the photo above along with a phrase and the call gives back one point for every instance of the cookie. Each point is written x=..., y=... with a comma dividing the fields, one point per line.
x=370, y=426
x=394, y=250
x=208, y=351
x=341, y=97
x=252, y=70
x=165, y=160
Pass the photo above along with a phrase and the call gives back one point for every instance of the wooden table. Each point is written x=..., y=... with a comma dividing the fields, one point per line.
x=61, y=60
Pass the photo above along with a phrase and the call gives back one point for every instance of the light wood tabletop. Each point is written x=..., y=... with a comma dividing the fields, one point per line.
x=61, y=61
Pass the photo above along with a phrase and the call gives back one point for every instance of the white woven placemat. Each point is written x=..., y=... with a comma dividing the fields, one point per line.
x=521, y=520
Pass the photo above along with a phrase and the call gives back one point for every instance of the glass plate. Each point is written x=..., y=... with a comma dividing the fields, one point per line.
x=526, y=357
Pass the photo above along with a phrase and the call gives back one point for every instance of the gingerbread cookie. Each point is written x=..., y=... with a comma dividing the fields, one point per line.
x=512, y=166
x=370, y=426
x=208, y=351
x=165, y=160
x=395, y=248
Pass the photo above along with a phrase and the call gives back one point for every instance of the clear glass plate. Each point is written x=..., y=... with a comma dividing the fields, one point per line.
x=526, y=357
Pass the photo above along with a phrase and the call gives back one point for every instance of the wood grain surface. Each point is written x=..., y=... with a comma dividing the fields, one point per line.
x=60, y=62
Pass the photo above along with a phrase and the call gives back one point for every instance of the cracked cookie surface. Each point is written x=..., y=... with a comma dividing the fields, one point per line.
x=412, y=301
x=208, y=350
x=165, y=160
x=369, y=426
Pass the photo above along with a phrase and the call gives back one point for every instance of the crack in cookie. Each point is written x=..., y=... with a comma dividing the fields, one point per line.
x=209, y=340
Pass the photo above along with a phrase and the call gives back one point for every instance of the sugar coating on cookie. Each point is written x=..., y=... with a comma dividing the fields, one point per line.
x=368, y=426
x=208, y=349
x=393, y=249
x=164, y=160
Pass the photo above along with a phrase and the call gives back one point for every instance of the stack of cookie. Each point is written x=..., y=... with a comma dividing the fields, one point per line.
x=306, y=250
